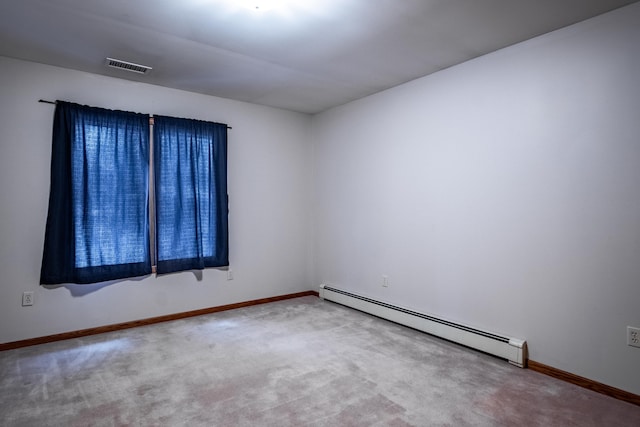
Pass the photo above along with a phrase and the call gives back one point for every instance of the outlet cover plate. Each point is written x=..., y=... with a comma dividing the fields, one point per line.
x=27, y=299
x=385, y=281
x=633, y=336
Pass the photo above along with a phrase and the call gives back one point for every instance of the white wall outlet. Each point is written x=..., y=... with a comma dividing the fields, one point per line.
x=385, y=281
x=633, y=336
x=229, y=274
x=27, y=298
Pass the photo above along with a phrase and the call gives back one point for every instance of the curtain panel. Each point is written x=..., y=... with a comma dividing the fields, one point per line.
x=191, y=202
x=98, y=219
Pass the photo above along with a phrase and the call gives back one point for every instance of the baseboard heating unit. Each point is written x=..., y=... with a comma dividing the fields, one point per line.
x=512, y=349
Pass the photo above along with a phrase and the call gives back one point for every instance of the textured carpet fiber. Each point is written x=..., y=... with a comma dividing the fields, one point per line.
x=301, y=362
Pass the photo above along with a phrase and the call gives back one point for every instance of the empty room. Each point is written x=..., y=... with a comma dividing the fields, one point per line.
x=320, y=213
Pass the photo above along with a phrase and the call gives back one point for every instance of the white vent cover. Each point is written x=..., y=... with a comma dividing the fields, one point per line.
x=129, y=66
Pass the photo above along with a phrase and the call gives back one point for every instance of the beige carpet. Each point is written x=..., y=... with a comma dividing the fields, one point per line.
x=301, y=362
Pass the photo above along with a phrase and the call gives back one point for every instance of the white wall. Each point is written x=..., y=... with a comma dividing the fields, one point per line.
x=269, y=183
x=503, y=193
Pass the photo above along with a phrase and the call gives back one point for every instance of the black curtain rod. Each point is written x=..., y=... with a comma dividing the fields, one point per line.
x=44, y=101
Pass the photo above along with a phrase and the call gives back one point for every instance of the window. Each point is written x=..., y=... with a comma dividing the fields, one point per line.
x=98, y=222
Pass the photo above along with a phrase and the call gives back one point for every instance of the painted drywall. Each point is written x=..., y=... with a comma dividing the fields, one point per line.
x=269, y=190
x=502, y=193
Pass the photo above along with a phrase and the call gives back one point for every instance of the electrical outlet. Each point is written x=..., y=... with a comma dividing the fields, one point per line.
x=385, y=281
x=229, y=274
x=27, y=298
x=633, y=336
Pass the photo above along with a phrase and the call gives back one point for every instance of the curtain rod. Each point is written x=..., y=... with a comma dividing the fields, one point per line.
x=44, y=101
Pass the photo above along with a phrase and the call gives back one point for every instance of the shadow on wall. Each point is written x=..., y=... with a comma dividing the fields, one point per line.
x=81, y=290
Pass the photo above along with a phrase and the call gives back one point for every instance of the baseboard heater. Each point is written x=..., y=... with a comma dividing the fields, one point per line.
x=512, y=349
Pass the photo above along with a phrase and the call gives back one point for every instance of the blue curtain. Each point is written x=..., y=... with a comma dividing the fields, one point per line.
x=98, y=221
x=190, y=160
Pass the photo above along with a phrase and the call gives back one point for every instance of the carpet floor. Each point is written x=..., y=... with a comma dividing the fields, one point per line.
x=300, y=362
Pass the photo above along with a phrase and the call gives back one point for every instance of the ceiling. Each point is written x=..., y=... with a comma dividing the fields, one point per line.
x=305, y=56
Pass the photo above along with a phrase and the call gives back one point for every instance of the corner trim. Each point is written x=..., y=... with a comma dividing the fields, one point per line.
x=148, y=321
x=585, y=382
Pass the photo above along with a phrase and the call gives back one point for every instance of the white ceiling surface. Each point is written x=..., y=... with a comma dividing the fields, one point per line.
x=306, y=56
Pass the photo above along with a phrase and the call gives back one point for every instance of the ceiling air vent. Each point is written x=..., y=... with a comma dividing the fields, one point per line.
x=129, y=66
